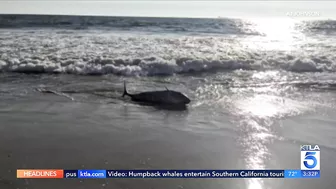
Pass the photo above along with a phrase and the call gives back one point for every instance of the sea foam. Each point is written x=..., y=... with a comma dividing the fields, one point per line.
x=158, y=66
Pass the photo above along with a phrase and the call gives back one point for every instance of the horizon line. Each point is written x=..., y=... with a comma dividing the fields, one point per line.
x=100, y=15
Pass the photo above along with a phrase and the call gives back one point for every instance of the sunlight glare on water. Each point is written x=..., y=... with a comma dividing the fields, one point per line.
x=257, y=114
x=277, y=34
x=256, y=135
x=255, y=184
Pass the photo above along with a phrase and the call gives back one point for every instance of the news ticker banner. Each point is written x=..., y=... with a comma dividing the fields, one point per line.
x=98, y=174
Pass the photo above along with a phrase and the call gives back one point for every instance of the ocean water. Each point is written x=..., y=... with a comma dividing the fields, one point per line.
x=259, y=89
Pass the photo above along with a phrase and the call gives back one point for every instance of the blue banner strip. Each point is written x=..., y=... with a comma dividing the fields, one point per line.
x=191, y=173
x=194, y=173
x=91, y=173
x=292, y=173
x=310, y=173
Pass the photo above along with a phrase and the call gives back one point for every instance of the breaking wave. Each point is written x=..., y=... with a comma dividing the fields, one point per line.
x=100, y=51
x=157, y=66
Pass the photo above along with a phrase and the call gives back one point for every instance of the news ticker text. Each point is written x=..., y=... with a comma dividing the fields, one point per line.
x=98, y=174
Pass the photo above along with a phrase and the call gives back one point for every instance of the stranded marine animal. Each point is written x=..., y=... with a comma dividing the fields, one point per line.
x=165, y=97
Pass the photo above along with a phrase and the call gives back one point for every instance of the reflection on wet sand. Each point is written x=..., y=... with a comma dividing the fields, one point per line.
x=256, y=115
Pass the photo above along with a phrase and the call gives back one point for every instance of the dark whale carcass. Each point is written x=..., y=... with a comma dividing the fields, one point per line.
x=165, y=97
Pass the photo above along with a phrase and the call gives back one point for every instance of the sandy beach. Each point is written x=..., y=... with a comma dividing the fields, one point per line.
x=255, y=98
x=48, y=131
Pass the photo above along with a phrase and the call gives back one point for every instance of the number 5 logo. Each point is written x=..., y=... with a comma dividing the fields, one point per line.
x=310, y=156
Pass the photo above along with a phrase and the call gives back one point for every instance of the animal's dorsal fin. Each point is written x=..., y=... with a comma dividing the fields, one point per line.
x=125, y=91
x=167, y=88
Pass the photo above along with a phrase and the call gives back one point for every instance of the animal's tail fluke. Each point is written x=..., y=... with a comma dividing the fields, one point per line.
x=125, y=91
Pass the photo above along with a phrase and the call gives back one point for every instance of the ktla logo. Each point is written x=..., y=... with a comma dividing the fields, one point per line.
x=310, y=157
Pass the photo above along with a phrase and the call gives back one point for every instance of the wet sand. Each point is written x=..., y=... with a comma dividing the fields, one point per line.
x=67, y=135
x=53, y=133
